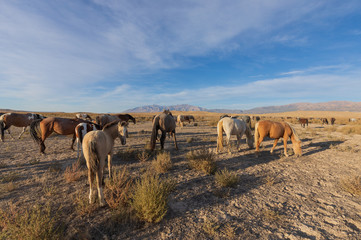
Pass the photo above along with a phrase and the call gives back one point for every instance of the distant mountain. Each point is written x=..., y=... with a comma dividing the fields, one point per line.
x=180, y=107
x=324, y=106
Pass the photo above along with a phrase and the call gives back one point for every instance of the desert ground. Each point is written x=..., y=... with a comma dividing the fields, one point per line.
x=315, y=196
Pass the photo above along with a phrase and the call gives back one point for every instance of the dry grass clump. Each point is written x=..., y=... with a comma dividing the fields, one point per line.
x=272, y=216
x=189, y=140
x=73, y=173
x=82, y=205
x=117, y=190
x=35, y=223
x=352, y=185
x=203, y=160
x=351, y=129
x=162, y=163
x=225, y=178
x=3, y=164
x=213, y=123
x=150, y=197
x=211, y=227
x=143, y=155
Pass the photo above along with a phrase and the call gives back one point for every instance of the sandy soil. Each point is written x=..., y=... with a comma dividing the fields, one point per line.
x=276, y=197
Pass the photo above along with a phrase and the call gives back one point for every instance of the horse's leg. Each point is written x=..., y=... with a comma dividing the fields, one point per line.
x=274, y=145
x=228, y=137
x=8, y=128
x=99, y=177
x=72, y=142
x=90, y=179
x=260, y=139
x=78, y=147
x=162, y=138
x=110, y=155
x=285, y=138
x=239, y=136
x=24, y=128
x=175, y=140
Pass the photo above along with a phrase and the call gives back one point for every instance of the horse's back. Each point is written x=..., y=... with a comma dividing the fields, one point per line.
x=96, y=141
x=166, y=122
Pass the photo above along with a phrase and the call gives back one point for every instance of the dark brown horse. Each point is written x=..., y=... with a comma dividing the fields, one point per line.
x=333, y=121
x=166, y=123
x=126, y=117
x=18, y=120
x=277, y=130
x=324, y=121
x=45, y=127
x=102, y=120
x=303, y=121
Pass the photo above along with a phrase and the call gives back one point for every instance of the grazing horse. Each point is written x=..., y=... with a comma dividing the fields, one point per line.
x=184, y=118
x=324, y=121
x=247, y=120
x=166, y=124
x=45, y=127
x=80, y=130
x=97, y=145
x=303, y=121
x=333, y=121
x=277, y=130
x=18, y=120
x=126, y=117
x=83, y=116
x=352, y=120
x=233, y=126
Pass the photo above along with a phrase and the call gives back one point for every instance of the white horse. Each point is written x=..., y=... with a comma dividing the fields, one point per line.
x=80, y=130
x=97, y=145
x=83, y=116
x=233, y=126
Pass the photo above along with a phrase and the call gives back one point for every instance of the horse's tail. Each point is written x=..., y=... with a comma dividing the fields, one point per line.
x=220, y=135
x=153, y=138
x=256, y=133
x=35, y=130
x=92, y=157
x=2, y=129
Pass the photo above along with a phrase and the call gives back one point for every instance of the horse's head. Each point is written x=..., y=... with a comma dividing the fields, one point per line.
x=123, y=132
x=296, y=145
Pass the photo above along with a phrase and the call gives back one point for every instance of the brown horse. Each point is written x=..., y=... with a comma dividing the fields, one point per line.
x=18, y=120
x=102, y=120
x=333, y=121
x=303, y=121
x=97, y=145
x=45, y=127
x=324, y=121
x=277, y=130
x=184, y=118
x=166, y=123
x=126, y=117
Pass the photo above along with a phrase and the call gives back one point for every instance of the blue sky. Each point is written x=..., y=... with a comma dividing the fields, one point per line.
x=109, y=56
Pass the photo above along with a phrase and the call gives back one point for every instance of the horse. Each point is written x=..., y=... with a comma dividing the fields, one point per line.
x=333, y=121
x=80, y=130
x=18, y=120
x=126, y=117
x=303, y=121
x=352, y=120
x=324, y=121
x=102, y=120
x=184, y=118
x=166, y=123
x=97, y=145
x=45, y=127
x=233, y=126
x=247, y=120
x=83, y=116
x=256, y=118
x=277, y=130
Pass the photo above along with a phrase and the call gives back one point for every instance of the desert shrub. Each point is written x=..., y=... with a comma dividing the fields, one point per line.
x=225, y=178
x=211, y=227
x=73, y=173
x=352, y=129
x=162, y=163
x=143, y=155
x=203, y=160
x=35, y=223
x=82, y=205
x=189, y=140
x=272, y=216
x=352, y=185
x=118, y=188
x=150, y=197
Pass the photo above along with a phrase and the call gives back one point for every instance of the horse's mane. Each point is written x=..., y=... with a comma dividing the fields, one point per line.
x=111, y=124
x=297, y=138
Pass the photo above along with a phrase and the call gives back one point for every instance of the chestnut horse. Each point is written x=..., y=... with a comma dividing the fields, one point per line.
x=18, y=120
x=233, y=126
x=277, y=130
x=45, y=127
x=324, y=121
x=303, y=121
x=80, y=130
x=166, y=123
x=97, y=145
x=333, y=121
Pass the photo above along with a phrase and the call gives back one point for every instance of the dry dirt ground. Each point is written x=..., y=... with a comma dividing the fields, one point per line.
x=276, y=197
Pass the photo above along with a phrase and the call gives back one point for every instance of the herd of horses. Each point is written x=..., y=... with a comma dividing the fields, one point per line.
x=95, y=138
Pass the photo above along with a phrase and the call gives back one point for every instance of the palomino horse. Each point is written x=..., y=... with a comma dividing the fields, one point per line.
x=303, y=121
x=166, y=124
x=45, y=127
x=18, y=120
x=97, y=145
x=184, y=118
x=233, y=126
x=83, y=116
x=277, y=130
x=80, y=130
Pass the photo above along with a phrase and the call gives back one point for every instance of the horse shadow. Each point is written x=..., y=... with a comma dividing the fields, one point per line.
x=320, y=146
